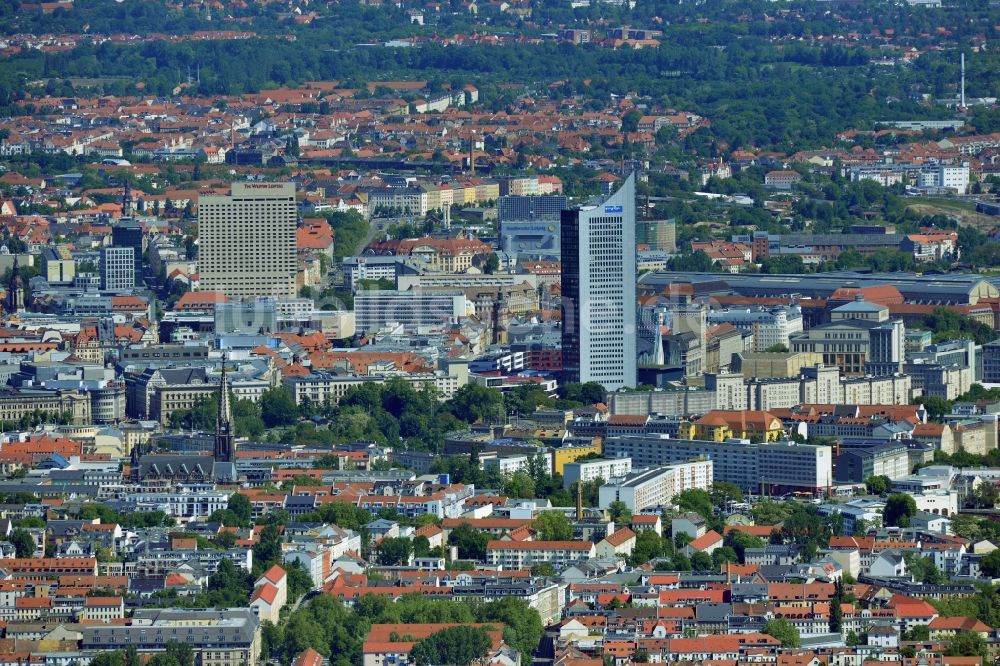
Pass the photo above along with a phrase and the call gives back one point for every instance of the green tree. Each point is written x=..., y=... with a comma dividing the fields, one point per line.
x=990, y=564
x=109, y=658
x=470, y=543
x=878, y=485
x=24, y=544
x=240, y=505
x=267, y=550
x=553, y=526
x=723, y=555
x=983, y=496
x=968, y=644
x=180, y=651
x=455, y=645
x=740, y=541
x=836, y=608
x=919, y=632
x=630, y=121
x=724, y=492
x=899, y=508
x=619, y=513
x=587, y=393
x=543, y=569
x=680, y=562
x=782, y=630
x=278, y=408
x=523, y=626
x=519, y=485
x=132, y=657
x=701, y=561
x=696, y=500
x=474, y=402
x=923, y=569
x=393, y=551
x=648, y=544
x=421, y=546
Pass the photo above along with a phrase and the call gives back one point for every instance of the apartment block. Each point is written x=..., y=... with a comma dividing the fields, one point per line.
x=524, y=554
x=752, y=466
x=655, y=488
x=590, y=470
x=219, y=637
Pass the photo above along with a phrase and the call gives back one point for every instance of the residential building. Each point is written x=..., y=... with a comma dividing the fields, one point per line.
x=228, y=637
x=270, y=594
x=655, y=488
x=590, y=470
x=616, y=545
x=774, y=467
x=524, y=554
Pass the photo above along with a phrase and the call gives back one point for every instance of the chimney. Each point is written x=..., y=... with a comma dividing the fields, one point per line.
x=579, y=500
x=962, y=101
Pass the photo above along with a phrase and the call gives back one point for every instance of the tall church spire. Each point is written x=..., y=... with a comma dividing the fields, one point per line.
x=15, y=289
x=225, y=445
x=127, y=200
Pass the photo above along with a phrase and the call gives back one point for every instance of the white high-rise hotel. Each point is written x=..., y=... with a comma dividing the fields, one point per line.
x=246, y=245
x=598, y=291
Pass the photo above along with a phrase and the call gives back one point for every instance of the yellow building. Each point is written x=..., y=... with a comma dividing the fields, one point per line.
x=720, y=425
x=568, y=454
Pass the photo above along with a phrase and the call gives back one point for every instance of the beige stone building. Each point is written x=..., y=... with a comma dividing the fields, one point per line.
x=777, y=364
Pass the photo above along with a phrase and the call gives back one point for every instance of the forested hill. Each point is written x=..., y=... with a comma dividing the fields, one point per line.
x=757, y=82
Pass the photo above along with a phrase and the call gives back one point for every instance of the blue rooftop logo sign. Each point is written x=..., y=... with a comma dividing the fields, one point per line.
x=614, y=209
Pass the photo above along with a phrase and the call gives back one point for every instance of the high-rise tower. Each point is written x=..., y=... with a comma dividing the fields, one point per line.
x=225, y=444
x=246, y=245
x=127, y=233
x=598, y=291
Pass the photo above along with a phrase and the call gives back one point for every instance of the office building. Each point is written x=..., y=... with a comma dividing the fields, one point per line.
x=861, y=460
x=530, y=239
x=411, y=308
x=598, y=291
x=128, y=233
x=991, y=362
x=657, y=234
x=655, y=488
x=247, y=241
x=511, y=208
x=57, y=267
x=755, y=467
x=246, y=318
x=768, y=326
x=887, y=348
x=117, y=269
